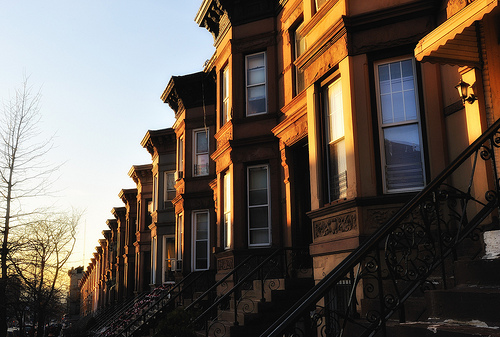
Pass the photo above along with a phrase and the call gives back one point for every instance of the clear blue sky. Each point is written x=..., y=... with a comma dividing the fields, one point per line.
x=101, y=66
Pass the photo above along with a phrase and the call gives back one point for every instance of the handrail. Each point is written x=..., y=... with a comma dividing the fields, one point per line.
x=218, y=283
x=170, y=298
x=267, y=268
x=431, y=191
x=120, y=310
x=233, y=289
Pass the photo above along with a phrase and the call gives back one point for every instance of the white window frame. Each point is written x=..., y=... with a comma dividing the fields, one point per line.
x=137, y=271
x=383, y=126
x=179, y=240
x=299, y=47
x=154, y=258
x=335, y=137
x=168, y=260
x=250, y=86
x=180, y=158
x=196, y=239
x=228, y=235
x=198, y=154
x=168, y=190
x=319, y=3
x=226, y=114
x=268, y=205
x=156, y=195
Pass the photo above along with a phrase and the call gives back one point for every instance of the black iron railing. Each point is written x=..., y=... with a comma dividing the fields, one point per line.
x=410, y=254
x=151, y=306
x=247, y=285
x=118, y=312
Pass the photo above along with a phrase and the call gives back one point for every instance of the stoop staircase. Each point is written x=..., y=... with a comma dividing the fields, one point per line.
x=258, y=314
x=136, y=317
x=420, y=274
x=471, y=308
x=254, y=294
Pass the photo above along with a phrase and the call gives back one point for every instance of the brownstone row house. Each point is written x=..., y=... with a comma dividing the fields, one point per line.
x=321, y=139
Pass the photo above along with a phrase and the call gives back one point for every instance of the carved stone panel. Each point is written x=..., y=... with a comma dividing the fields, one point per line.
x=335, y=224
x=226, y=263
x=374, y=218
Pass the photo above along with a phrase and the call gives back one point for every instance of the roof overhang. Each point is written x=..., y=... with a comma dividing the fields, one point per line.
x=455, y=41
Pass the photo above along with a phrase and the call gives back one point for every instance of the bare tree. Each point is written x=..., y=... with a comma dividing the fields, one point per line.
x=43, y=248
x=23, y=172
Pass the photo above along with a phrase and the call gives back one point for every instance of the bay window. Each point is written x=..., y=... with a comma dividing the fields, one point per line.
x=226, y=115
x=227, y=211
x=335, y=141
x=180, y=158
x=200, y=153
x=299, y=48
x=201, y=242
x=256, y=86
x=400, y=134
x=259, y=229
x=154, y=257
x=169, y=188
x=168, y=266
x=155, y=192
x=179, y=241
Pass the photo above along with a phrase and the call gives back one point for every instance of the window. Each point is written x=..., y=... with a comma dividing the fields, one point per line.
x=180, y=158
x=399, y=121
x=155, y=193
x=201, y=240
x=227, y=211
x=179, y=241
x=154, y=257
x=319, y=4
x=226, y=115
x=149, y=214
x=299, y=47
x=168, y=266
x=335, y=141
x=169, y=190
x=137, y=271
x=256, y=84
x=200, y=152
x=259, y=229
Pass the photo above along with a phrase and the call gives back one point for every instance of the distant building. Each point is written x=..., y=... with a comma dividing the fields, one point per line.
x=75, y=275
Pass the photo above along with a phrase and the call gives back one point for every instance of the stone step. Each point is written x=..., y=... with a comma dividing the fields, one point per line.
x=478, y=272
x=465, y=303
x=447, y=328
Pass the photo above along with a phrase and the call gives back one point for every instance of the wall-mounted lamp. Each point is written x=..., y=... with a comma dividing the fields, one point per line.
x=463, y=91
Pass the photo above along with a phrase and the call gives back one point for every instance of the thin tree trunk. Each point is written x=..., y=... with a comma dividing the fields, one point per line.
x=4, y=253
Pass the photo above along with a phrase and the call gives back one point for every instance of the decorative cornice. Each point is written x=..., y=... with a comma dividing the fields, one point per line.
x=294, y=126
x=218, y=15
x=128, y=195
x=140, y=172
x=365, y=201
x=209, y=16
x=190, y=91
x=112, y=224
x=224, y=135
x=390, y=15
x=107, y=235
x=118, y=211
x=154, y=139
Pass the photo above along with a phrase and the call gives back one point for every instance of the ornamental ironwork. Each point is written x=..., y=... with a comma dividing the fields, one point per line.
x=410, y=254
